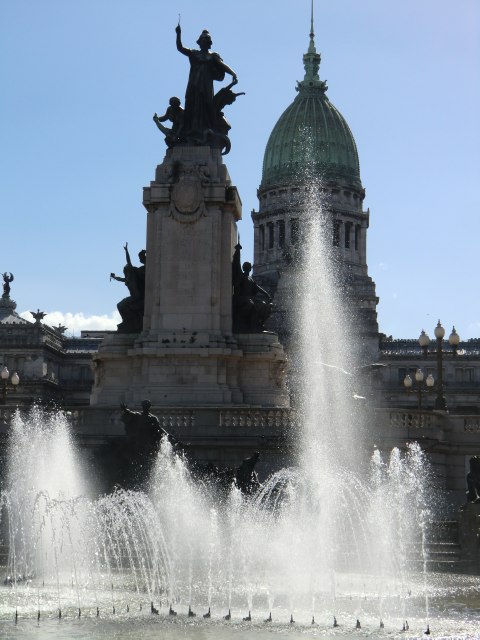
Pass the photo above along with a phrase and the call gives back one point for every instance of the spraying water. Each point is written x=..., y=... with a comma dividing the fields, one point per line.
x=332, y=538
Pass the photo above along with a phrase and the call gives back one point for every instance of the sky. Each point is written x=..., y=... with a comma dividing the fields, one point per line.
x=81, y=80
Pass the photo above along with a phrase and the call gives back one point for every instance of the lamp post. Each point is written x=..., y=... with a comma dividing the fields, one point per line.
x=14, y=381
x=420, y=389
x=454, y=341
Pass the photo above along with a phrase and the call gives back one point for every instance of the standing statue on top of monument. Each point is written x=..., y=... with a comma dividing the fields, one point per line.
x=131, y=308
x=203, y=120
x=7, y=279
x=249, y=312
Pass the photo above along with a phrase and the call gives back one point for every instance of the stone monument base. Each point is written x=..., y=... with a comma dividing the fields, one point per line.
x=184, y=369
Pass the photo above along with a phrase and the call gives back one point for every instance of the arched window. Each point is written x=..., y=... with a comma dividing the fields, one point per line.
x=294, y=230
x=271, y=235
x=357, y=236
x=261, y=232
x=336, y=233
x=281, y=233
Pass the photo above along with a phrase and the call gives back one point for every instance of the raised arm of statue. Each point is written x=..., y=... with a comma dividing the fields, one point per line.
x=127, y=255
x=180, y=47
x=236, y=268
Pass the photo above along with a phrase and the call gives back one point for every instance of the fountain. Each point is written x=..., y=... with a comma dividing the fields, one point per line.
x=333, y=544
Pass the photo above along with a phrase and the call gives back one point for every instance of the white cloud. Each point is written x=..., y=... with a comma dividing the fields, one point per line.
x=76, y=322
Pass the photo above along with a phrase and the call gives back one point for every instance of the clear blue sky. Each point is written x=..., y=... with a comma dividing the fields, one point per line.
x=81, y=79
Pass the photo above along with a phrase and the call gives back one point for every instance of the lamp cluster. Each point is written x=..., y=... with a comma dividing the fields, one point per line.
x=427, y=385
x=13, y=380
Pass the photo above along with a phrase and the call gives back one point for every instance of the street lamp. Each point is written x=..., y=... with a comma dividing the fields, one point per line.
x=454, y=341
x=14, y=382
x=420, y=389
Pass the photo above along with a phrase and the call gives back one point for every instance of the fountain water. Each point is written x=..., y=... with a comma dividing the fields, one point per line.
x=333, y=541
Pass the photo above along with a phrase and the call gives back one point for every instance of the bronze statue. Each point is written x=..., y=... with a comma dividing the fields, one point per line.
x=132, y=460
x=175, y=115
x=7, y=279
x=473, y=480
x=246, y=477
x=249, y=312
x=131, y=308
x=142, y=428
x=202, y=122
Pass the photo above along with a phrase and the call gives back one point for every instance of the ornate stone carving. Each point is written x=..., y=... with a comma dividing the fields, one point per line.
x=282, y=418
x=472, y=425
x=187, y=201
x=403, y=419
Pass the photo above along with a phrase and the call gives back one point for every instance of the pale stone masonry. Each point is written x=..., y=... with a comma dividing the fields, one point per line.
x=186, y=354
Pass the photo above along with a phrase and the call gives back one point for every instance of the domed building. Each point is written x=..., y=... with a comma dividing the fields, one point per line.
x=311, y=144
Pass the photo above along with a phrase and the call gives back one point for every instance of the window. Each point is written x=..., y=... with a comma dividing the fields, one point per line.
x=281, y=233
x=357, y=236
x=261, y=231
x=336, y=233
x=348, y=227
x=271, y=235
x=464, y=375
x=294, y=230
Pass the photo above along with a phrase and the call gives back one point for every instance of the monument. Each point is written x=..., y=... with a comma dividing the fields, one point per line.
x=191, y=335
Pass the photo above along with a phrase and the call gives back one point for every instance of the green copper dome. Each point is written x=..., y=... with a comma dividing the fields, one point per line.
x=311, y=137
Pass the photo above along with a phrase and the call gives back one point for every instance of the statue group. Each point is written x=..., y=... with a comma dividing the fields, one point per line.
x=202, y=121
x=7, y=279
x=135, y=455
x=250, y=310
x=131, y=308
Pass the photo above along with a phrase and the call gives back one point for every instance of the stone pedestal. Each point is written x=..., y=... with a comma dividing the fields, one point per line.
x=186, y=354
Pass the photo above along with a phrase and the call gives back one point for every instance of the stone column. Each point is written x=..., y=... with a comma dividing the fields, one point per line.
x=191, y=233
